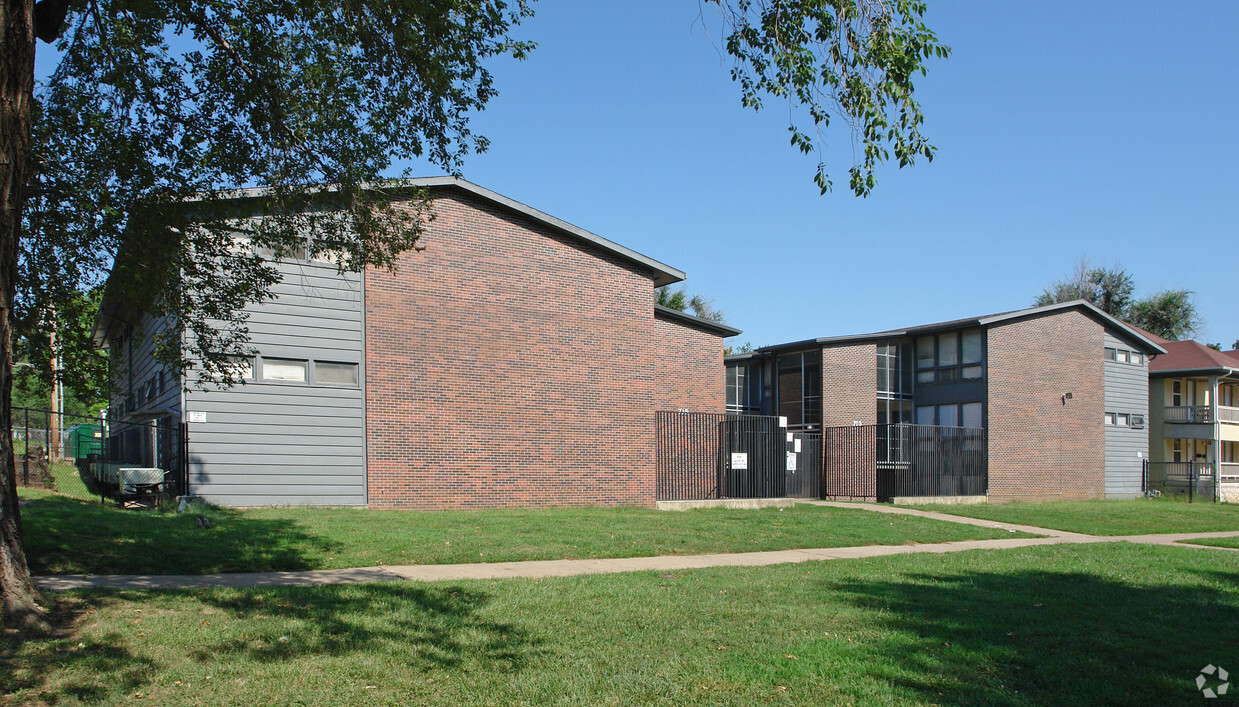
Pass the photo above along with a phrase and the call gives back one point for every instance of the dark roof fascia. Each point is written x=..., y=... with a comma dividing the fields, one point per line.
x=660, y=273
x=704, y=324
x=1220, y=371
x=985, y=321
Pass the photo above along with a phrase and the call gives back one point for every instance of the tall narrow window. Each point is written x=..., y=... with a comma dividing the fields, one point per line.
x=971, y=354
x=925, y=359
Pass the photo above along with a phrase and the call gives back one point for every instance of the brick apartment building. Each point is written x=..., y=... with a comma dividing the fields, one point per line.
x=1061, y=391
x=517, y=361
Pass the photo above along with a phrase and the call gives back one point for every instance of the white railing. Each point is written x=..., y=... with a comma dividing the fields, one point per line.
x=1228, y=414
x=1229, y=473
x=1189, y=414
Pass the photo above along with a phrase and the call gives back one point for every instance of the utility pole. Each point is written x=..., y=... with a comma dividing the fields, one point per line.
x=58, y=400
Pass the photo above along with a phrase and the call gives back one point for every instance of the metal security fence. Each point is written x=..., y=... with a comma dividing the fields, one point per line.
x=114, y=459
x=712, y=455
x=1195, y=480
x=883, y=462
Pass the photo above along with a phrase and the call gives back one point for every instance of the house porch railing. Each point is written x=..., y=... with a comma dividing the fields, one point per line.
x=1201, y=414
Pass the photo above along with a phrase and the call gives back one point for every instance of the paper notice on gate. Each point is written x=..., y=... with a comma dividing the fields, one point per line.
x=739, y=460
x=796, y=445
x=782, y=421
x=791, y=461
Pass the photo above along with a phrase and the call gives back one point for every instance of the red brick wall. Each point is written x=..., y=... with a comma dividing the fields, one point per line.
x=849, y=393
x=849, y=384
x=688, y=368
x=1040, y=448
x=507, y=365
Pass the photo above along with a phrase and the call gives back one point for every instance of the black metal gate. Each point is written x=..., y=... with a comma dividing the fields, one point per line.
x=882, y=462
x=710, y=455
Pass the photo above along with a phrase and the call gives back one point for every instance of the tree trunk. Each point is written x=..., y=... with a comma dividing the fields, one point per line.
x=17, y=591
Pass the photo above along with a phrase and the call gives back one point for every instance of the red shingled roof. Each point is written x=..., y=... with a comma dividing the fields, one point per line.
x=1191, y=355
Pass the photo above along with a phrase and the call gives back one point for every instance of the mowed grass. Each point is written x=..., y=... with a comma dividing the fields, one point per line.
x=1054, y=625
x=1217, y=542
x=69, y=536
x=1134, y=517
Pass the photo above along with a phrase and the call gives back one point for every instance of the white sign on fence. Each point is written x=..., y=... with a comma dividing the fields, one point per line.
x=791, y=461
x=739, y=460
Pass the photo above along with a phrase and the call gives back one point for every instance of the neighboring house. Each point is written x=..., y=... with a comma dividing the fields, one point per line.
x=1061, y=390
x=517, y=361
x=1194, y=425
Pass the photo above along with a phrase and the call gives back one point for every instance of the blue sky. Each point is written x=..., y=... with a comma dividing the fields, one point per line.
x=1104, y=130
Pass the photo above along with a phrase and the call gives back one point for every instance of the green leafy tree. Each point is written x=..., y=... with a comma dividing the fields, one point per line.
x=854, y=60
x=155, y=109
x=672, y=299
x=1171, y=314
x=1111, y=289
x=700, y=305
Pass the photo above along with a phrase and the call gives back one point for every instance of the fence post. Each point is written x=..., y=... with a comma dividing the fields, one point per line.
x=26, y=455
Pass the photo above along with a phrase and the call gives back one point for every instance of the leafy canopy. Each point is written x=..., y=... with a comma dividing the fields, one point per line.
x=1171, y=314
x=854, y=59
x=157, y=109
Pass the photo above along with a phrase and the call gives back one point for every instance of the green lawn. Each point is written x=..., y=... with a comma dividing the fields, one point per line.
x=69, y=536
x=1137, y=517
x=1061, y=625
x=1217, y=542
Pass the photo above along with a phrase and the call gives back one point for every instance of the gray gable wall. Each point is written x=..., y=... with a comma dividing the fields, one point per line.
x=287, y=443
x=1127, y=448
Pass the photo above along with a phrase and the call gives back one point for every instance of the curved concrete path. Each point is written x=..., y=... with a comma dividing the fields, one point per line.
x=565, y=568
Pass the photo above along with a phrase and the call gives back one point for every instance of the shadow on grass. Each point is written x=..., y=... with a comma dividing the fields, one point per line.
x=425, y=626
x=1041, y=637
x=98, y=654
x=29, y=662
x=69, y=536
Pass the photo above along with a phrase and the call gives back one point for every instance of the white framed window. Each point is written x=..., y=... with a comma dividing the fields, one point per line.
x=284, y=370
x=1137, y=422
x=1111, y=354
x=1110, y=419
x=1122, y=420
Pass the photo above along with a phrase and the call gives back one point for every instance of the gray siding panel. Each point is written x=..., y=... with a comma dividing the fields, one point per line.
x=1126, y=392
x=288, y=444
x=136, y=369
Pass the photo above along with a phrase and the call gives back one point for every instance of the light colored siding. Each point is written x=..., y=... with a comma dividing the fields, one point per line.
x=277, y=443
x=1127, y=391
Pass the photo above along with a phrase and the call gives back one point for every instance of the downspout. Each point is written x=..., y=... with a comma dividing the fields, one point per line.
x=1217, y=437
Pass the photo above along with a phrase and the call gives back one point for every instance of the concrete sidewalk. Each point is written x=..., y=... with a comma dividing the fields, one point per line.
x=565, y=568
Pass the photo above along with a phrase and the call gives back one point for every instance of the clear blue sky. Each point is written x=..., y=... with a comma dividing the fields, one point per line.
x=1065, y=129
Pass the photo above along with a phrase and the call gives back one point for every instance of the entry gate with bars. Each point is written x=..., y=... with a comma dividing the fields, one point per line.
x=712, y=455
x=883, y=462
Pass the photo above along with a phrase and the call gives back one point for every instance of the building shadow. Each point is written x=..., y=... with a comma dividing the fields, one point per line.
x=64, y=535
x=1041, y=637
